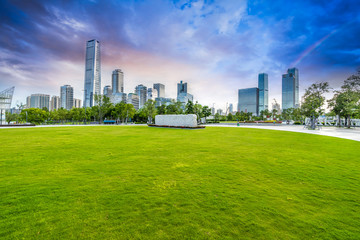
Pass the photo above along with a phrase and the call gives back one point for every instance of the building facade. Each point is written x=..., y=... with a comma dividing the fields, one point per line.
x=152, y=94
x=182, y=93
x=77, y=103
x=263, y=92
x=160, y=88
x=134, y=100
x=67, y=97
x=54, y=103
x=107, y=91
x=39, y=101
x=92, y=83
x=248, y=100
x=141, y=91
x=290, y=89
x=117, y=81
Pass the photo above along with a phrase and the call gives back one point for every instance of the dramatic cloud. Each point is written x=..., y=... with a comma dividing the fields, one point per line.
x=216, y=46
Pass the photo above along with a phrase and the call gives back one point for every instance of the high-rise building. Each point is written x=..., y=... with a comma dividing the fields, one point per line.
x=248, y=100
x=107, y=91
x=28, y=102
x=213, y=111
x=152, y=94
x=67, y=97
x=77, y=103
x=231, y=108
x=141, y=91
x=117, y=81
x=134, y=100
x=263, y=92
x=290, y=89
x=118, y=98
x=182, y=94
x=54, y=103
x=39, y=101
x=160, y=89
x=92, y=83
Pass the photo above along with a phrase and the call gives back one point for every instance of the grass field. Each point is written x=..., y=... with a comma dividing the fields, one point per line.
x=112, y=182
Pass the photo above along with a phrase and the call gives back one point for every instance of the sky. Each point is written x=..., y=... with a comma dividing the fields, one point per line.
x=217, y=47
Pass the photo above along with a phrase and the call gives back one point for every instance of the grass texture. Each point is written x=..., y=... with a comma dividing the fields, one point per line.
x=118, y=182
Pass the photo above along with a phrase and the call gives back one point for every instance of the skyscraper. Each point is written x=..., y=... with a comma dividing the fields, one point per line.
x=117, y=81
x=263, y=92
x=141, y=91
x=160, y=89
x=182, y=94
x=152, y=94
x=290, y=89
x=66, y=97
x=77, y=103
x=54, y=103
x=107, y=90
x=39, y=101
x=134, y=100
x=248, y=100
x=92, y=83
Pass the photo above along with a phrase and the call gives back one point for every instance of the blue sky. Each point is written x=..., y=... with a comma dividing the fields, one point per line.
x=215, y=46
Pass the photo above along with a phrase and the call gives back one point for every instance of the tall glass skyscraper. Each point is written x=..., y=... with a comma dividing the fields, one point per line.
x=248, y=100
x=290, y=89
x=141, y=91
x=92, y=83
x=117, y=81
x=66, y=97
x=263, y=92
x=160, y=89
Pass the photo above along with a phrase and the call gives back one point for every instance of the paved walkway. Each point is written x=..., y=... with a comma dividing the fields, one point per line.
x=352, y=134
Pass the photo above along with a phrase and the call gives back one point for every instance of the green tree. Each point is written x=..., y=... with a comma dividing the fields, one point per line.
x=198, y=111
x=34, y=115
x=189, y=108
x=150, y=110
x=313, y=101
x=206, y=112
x=9, y=117
x=103, y=105
x=230, y=117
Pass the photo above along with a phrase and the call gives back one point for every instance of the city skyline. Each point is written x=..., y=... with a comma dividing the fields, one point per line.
x=217, y=47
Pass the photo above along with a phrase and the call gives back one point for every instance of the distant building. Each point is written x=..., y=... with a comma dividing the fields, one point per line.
x=141, y=91
x=290, y=89
x=107, y=91
x=163, y=101
x=231, y=108
x=151, y=94
x=118, y=98
x=219, y=111
x=39, y=101
x=182, y=94
x=212, y=111
x=28, y=102
x=92, y=83
x=117, y=81
x=54, y=103
x=160, y=88
x=263, y=92
x=248, y=100
x=67, y=97
x=134, y=100
x=77, y=103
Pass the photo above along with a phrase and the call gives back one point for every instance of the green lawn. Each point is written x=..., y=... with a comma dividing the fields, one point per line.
x=111, y=182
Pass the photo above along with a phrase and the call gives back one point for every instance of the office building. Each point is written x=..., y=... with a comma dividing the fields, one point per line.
x=77, y=103
x=213, y=111
x=231, y=108
x=182, y=94
x=134, y=100
x=160, y=88
x=151, y=94
x=66, y=97
x=54, y=103
x=118, y=98
x=40, y=101
x=248, y=100
x=107, y=91
x=290, y=89
x=92, y=83
x=163, y=101
x=117, y=81
x=141, y=91
x=219, y=111
x=28, y=101
x=263, y=92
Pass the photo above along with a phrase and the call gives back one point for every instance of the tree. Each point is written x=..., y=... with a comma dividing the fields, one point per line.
x=9, y=117
x=189, y=108
x=198, y=111
x=230, y=117
x=34, y=115
x=313, y=101
x=150, y=110
x=345, y=102
x=206, y=112
x=103, y=104
x=161, y=109
x=130, y=111
x=217, y=117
